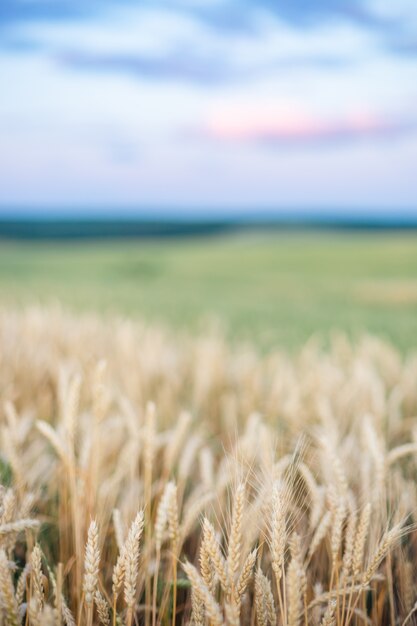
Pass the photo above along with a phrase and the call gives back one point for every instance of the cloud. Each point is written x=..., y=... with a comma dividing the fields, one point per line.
x=227, y=14
x=285, y=129
x=224, y=14
x=394, y=27
x=178, y=65
x=15, y=11
x=405, y=46
x=298, y=13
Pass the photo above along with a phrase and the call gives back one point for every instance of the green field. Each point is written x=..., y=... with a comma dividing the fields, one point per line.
x=275, y=289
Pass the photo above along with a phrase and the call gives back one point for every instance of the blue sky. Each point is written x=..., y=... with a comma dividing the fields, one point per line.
x=199, y=104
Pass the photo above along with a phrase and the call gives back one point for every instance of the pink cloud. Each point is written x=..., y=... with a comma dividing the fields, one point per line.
x=291, y=126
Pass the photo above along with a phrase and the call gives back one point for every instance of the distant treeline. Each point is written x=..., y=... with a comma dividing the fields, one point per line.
x=106, y=228
x=45, y=228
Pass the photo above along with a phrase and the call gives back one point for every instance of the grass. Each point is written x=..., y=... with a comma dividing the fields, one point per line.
x=274, y=289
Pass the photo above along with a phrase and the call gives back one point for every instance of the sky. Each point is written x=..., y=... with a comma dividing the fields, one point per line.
x=208, y=105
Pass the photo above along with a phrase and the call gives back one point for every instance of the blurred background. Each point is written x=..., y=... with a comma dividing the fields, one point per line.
x=251, y=162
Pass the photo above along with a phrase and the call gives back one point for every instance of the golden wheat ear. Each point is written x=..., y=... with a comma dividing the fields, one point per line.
x=91, y=569
x=7, y=592
x=131, y=564
x=203, y=594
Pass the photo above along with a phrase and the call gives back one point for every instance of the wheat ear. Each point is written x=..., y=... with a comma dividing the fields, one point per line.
x=91, y=566
x=199, y=588
x=132, y=564
x=197, y=609
x=7, y=592
x=18, y=526
x=102, y=609
x=339, y=514
x=329, y=618
x=36, y=577
x=264, y=600
x=161, y=520
x=118, y=528
x=218, y=560
x=235, y=537
x=294, y=593
x=278, y=530
x=361, y=536
x=350, y=541
x=46, y=617
x=21, y=584
x=246, y=573
x=387, y=541
x=206, y=568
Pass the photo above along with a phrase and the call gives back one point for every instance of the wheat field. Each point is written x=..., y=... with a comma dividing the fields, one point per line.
x=158, y=478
